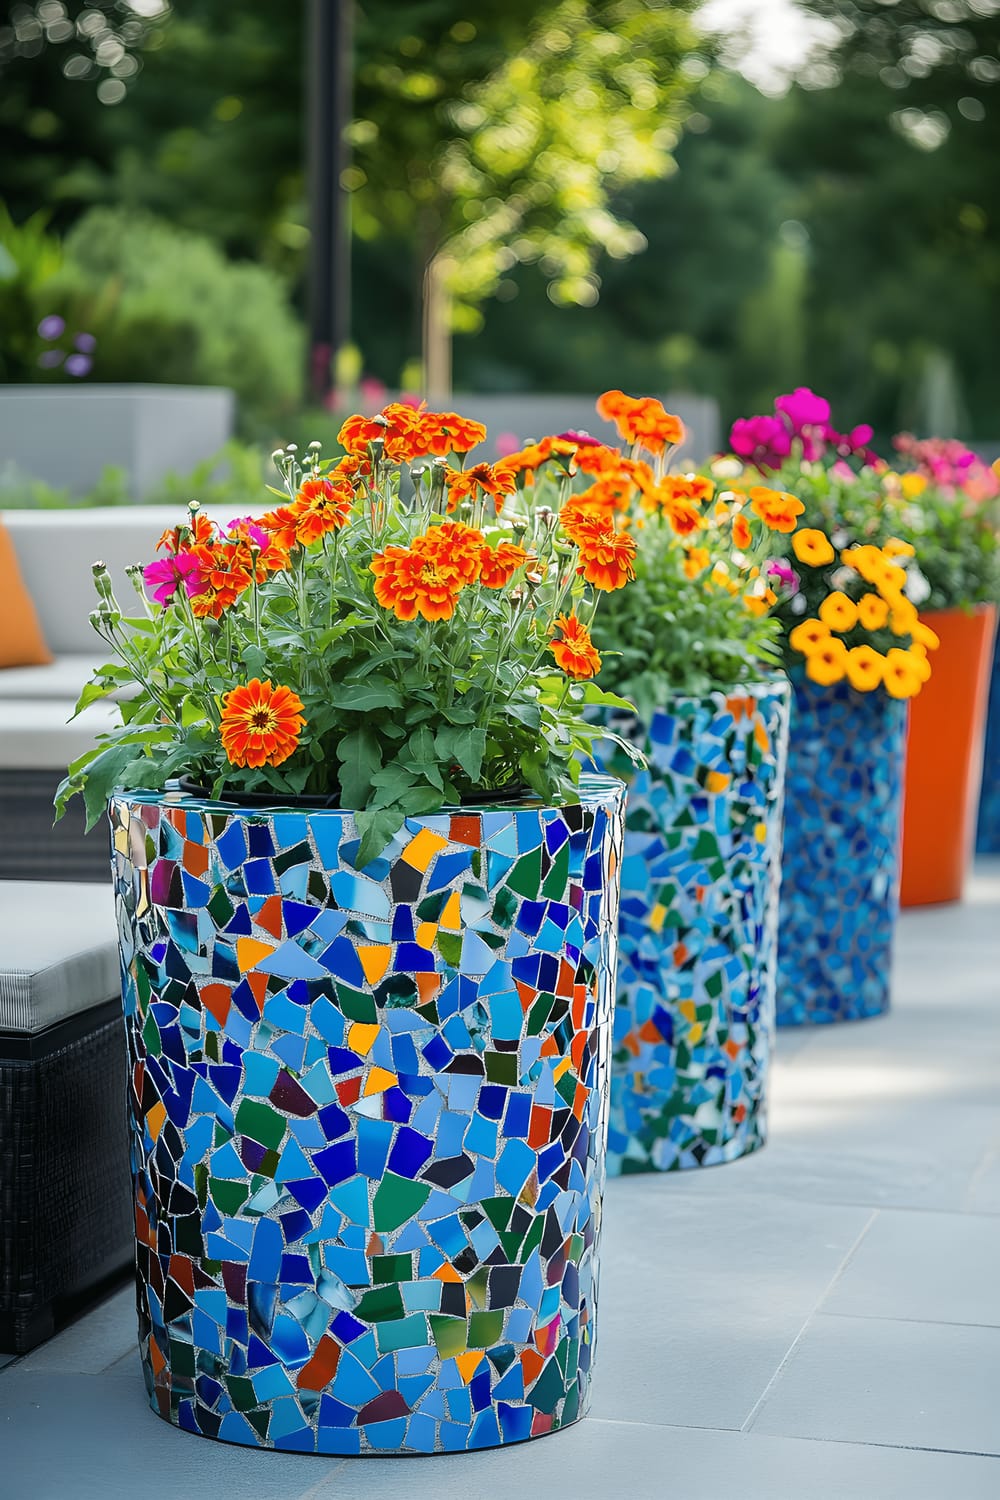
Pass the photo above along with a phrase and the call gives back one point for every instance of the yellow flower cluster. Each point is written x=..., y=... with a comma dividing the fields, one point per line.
x=901, y=671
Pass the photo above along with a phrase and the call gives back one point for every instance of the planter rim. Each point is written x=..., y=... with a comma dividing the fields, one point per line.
x=777, y=684
x=595, y=789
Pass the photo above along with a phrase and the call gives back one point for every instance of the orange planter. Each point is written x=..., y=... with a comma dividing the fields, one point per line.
x=944, y=757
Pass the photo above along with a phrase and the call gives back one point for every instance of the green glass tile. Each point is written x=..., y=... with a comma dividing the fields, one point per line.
x=212, y=1046
x=142, y=985
x=449, y=945
x=566, y=1087
x=431, y=907
x=510, y=1243
x=450, y=1335
x=380, y=1304
x=299, y=854
x=502, y=1357
x=228, y=1197
x=151, y=1036
x=201, y=1183
x=571, y=1406
x=485, y=1328
x=220, y=908
x=501, y=1067
x=498, y=1211
x=526, y=875
x=396, y=1200
x=261, y=1123
x=187, y=1236
x=533, y=1238
x=539, y=1014
x=549, y=1389
x=505, y=907
x=392, y=1268
x=181, y=1358
x=260, y=1421
x=270, y=1162
x=356, y=1007
x=576, y=1244
x=429, y=1012
x=241, y=1392
x=477, y=1287
x=554, y=884
x=562, y=1354
x=406, y=1333
x=714, y=984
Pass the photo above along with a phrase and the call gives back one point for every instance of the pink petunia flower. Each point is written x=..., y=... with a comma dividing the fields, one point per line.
x=804, y=408
x=763, y=441
x=782, y=571
x=166, y=574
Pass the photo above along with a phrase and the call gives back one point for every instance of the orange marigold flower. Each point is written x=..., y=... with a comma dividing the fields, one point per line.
x=696, y=560
x=283, y=525
x=742, y=534
x=599, y=459
x=320, y=507
x=684, y=516
x=497, y=480
x=260, y=724
x=641, y=419
x=225, y=574
x=445, y=432
x=198, y=532
x=607, y=555
x=776, y=508
x=397, y=425
x=527, y=460
x=412, y=582
x=453, y=547
x=575, y=652
x=497, y=565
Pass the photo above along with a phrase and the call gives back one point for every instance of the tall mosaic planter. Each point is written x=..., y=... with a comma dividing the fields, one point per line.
x=988, y=833
x=368, y=1117
x=840, y=865
x=698, y=932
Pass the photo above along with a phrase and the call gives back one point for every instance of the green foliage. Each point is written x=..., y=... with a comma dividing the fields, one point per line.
x=402, y=716
x=233, y=476
x=957, y=542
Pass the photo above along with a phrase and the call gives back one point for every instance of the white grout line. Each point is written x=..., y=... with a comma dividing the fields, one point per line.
x=761, y=1399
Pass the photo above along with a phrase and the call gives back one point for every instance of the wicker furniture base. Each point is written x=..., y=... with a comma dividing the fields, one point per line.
x=65, y=1209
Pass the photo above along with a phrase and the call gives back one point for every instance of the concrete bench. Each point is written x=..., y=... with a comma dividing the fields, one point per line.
x=65, y=1198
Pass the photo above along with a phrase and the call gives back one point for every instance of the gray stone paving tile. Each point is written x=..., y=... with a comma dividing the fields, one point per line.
x=937, y=1268
x=874, y=1380
x=702, y=1297
x=92, y=1343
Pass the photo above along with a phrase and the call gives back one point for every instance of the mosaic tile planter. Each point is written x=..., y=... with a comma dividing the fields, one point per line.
x=368, y=1118
x=698, y=932
x=988, y=833
x=840, y=865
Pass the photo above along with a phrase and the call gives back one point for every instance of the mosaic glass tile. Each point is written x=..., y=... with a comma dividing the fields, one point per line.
x=698, y=932
x=988, y=832
x=368, y=1118
x=840, y=866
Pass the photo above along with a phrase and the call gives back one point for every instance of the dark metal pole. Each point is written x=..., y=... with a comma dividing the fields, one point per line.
x=328, y=86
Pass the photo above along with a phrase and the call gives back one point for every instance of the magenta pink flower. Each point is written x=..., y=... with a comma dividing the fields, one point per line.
x=581, y=439
x=804, y=408
x=244, y=529
x=786, y=575
x=762, y=441
x=166, y=574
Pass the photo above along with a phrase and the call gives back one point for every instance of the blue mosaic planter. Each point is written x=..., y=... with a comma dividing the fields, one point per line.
x=988, y=833
x=840, y=866
x=698, y=932
x=368, y=1117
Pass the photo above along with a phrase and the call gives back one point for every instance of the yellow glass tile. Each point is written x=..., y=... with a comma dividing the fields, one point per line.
x=421, y=850
x=762, y=737
x=469, y=1363
x=121, y=840
x=375, y=960
x=657, y=916
x=426, y=933
x=361, y=1037
x=451, y=916
x=250, y=951
x=687, y=1009
x=696, y=1033
x=760, y=833
x=563, y=1067
x=717, y=781
x=378, y=1080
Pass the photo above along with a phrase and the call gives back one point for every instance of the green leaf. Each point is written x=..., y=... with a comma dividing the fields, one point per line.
x=376, y=830
x=360, y=697
x=360, y=759
x=466, y=746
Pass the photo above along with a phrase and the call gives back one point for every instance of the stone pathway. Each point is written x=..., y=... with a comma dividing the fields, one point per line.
x=818, y=1322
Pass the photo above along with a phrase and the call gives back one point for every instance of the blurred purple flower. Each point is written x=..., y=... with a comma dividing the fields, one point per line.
x=506, y=443
x=763, y=441
x=52, y=326
x=79, y=364
x=49, y=359
x=842, y=470
x=166, y=574
x=783, y=572
x=243, y=528
x=804, y=408
x=581, y=439
x=85, y=342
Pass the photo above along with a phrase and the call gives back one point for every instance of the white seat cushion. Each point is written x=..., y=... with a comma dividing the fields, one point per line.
x=58, y=951
x=34, y=732
x=63, y=678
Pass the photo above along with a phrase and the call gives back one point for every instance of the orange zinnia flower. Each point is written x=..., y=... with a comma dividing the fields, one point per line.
x=606, y=554
x=410, y=583
x=497, y=565
x=776, y=508
x=683, y=516
x=527, y=460
x=575, y=653
x=454, y=548
x=641, y=419
x=446, y=432
x=497, y=480
x=261, y=724
x=283, y=525
x=742, y=535
x=397, y=425
x=320, y=507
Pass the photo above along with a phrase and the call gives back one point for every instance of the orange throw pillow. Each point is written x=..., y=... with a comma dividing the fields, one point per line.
x=21, y=640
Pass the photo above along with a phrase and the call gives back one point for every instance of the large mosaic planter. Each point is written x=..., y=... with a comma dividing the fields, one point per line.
x=840, y=863
x=988, y=833
x=368, y=1117
x=698, y=932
